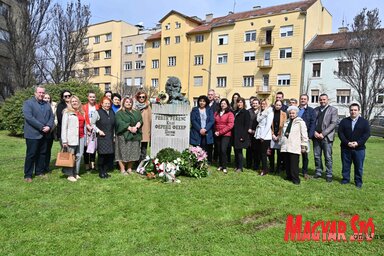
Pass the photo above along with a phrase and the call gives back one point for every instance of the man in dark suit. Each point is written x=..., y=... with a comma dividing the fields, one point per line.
x=308, y=115
x=38, y=121
x=353, y=132
x=280, y=96
x=326, y=120
x=214, y=107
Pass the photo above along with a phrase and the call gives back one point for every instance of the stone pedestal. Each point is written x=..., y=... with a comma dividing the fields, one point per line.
x=170, y=127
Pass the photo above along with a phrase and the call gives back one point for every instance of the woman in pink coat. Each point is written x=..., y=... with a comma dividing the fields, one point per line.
x=224, y=121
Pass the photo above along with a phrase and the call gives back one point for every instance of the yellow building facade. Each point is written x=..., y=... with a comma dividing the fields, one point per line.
x=254, y=53
x=103, y=64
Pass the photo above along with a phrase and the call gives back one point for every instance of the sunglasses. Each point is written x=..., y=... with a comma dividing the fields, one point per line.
x=141, y=97
x=67, y=96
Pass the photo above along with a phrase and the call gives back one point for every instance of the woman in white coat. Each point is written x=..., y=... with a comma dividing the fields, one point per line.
x=263, y=134
x=294, y=141
x=72, y=135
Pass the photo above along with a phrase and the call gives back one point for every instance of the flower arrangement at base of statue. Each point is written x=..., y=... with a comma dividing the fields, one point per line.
x=170, y=163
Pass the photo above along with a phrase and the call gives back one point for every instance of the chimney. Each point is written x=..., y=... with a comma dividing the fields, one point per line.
x=230, y=12
x=208, y=17
x=343, y=29
x=256, y=7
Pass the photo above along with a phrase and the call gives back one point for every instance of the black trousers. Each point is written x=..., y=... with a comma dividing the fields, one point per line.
x=215, y=149
x=279, y=160
x=263, y=147
x=292, y=167
x=89, y=158
x=250, y=153
x=143, y=150
x=223, y=142
x=35, y=157
x=105, y=162
x=48, y=154
x=305, y=163
x=239, y=158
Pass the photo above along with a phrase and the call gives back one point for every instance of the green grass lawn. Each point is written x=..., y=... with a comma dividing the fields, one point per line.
x=234, y=214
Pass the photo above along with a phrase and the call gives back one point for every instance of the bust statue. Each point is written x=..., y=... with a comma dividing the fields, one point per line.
x=173, y=88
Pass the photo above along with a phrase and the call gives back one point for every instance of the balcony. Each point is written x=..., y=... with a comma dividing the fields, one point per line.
x=263, y=90
x=264, y=64
x=266, y=43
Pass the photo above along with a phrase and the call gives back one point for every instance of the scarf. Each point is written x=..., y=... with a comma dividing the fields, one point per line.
x=140, y=106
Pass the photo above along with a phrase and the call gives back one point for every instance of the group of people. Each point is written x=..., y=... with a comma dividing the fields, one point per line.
x=118, y=130
x=276, y=135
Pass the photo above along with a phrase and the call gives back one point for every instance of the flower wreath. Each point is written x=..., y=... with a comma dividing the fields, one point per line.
x=163, y=97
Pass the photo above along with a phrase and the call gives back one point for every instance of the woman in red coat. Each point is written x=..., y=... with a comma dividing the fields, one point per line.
x=224, y=121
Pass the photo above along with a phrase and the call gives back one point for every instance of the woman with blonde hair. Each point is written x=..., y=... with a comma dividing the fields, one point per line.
x=72, y=135
x=128, y=127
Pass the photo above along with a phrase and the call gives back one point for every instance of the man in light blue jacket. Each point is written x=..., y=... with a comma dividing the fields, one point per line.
x=38, y=122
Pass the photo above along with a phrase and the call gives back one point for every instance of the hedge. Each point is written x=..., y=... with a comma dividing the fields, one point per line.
x=11, y=110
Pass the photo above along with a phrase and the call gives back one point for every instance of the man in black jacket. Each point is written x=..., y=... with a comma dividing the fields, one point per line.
x=353, y=132
x=308, y=115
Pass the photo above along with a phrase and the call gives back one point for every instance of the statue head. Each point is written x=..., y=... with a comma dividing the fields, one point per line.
x=173, y=86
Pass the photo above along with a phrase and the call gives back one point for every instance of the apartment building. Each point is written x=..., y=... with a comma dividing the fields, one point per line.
x=103, y=63
x=257, y=52
x=134, y=61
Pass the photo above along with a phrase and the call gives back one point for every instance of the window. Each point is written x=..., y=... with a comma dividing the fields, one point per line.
x=285, y=53
x=107, y=86
x=127, y=65
x=199, y=59
x=172, y=61
x=107, y=70
x=223, y=39
x=155, y=82
x=128, y=81
x=96, y=71
x=178, y=24
x=197, y=80
x=97, y=39
x=4, y=35
x=155, y=63
x=96, y=56
x=284, y=79
x=343, y=96
x=222, y=58
x=4, y=9
x=139, y=48
x=380, y=97
x=155, y=44
x=177, y=39
x=108, y=54
x=286, y=31
x=222, y=81
x=266, y=82
x=199, y=38
x=345, y=68
x=250, y=36
x=86, y=72
x=315, y=96
x=108, y=37
x=85, y=41
x=249, y=56
x=139, y=64
x=167, y=40
x=168, y=26
x=248, y=81
x=138, y=81
x=316, y=69
x=128, y=49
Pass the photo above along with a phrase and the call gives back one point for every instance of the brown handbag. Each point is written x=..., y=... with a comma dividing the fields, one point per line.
x=65, y=159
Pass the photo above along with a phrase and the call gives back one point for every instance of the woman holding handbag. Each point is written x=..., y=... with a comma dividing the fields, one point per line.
x=72, y=135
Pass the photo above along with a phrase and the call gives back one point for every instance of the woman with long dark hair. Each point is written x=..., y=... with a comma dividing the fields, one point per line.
x=63, y=104
x=279, y=118
x=240, y=133
x=224, y=122
x=202, y=120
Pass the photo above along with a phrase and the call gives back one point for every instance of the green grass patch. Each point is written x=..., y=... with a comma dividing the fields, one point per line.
x=234, y=214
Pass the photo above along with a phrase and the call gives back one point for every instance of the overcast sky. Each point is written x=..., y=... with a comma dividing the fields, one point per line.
x=151, y=11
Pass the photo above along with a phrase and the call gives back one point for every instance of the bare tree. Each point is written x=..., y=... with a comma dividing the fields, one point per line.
x=363, y=67
x=65, y=44
x=25, y=23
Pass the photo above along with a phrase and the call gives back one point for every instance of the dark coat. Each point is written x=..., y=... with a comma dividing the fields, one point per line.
x=240, y=129
x=195, y=136
x=59, y=113
x=36, y=116
x=106, y=123
x=309, y=117
x=360, y=133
